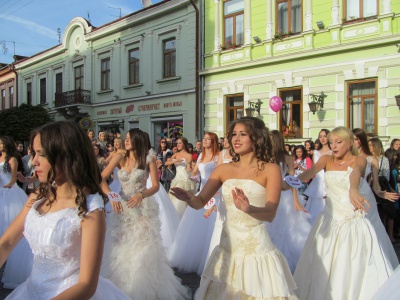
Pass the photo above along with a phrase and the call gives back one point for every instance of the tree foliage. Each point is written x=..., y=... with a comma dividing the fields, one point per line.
x=18, y=122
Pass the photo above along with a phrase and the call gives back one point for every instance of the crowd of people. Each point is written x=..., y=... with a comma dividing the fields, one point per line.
x=110, y=217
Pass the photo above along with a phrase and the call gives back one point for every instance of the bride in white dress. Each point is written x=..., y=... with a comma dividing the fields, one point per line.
x=348, y=254
x=63, y=221
x=134, y=257
x=246, y=264
x=290, y=228
x=183, y=161
x=189, y=250
x=12, y=200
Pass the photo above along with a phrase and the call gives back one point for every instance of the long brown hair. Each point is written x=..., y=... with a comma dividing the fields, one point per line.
x=278, y=146
x=59, y=142
x=214, y=145
x=259, y=134
x=140, y=147
x=362, y=137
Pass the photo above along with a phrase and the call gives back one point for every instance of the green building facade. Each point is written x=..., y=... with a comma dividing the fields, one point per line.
x=342, y=52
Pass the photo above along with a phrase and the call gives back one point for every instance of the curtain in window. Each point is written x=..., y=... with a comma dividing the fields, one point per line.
x=239, y=30
x=296, y=16
x=359, y=89
x=369, y=7
x=353, y=9
x=283, y=17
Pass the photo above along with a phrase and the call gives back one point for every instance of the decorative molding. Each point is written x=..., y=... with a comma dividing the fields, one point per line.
x=168, y=30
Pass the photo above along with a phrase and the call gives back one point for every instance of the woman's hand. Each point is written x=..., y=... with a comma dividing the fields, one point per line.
x=388, y=196
x=241, y=201
x=358, y=201
x=181, y=194
x=159, y=164
x=209, y=211
x=21, y=178
x=299, y=207
x=117, y=206
x=135, y=200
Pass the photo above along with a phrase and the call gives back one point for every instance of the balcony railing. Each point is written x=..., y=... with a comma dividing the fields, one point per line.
x=78, y=96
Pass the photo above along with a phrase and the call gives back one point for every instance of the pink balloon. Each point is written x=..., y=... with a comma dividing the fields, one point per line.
x=275, y=103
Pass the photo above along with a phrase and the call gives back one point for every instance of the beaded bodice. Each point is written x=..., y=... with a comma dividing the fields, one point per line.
x=134, y=182
x=5, y=178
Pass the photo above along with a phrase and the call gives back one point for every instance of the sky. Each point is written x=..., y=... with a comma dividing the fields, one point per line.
x=28, y=27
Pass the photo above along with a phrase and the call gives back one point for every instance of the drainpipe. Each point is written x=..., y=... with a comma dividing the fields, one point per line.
x=198, y=108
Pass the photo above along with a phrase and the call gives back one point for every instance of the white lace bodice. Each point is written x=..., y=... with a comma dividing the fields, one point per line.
x=241, y=232
x=5, y=178
x=134, y=182
x=55, y=239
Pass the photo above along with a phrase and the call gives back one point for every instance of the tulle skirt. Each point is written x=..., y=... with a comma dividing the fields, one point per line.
x=315, y=193
x=289, y=230
x=135, y=259
x=106, y=290
x=19, y=262
x=168, y=216
x=189, y=250
x=390, y=290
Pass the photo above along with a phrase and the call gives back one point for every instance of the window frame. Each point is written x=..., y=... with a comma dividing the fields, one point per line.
x=11, y=96
x=135, y=62
x=29, y=93
x=234, y=42
x=289, y=24
x=349, y=110
x=105, y=74
x=294, y=102
x=361, y=10
x=169, y=54
x=59, y=82
x=42, y=90
x=79, y=78
x=235, y=109
x=3, y=99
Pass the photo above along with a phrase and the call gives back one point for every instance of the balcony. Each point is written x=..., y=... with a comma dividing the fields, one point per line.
x=69, y=98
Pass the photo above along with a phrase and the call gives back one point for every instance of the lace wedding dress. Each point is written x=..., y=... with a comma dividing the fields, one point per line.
x=55, y=239
x=181, y=180
x=348, y=254
x=19, y=262
x=245, y=265
x=135, y=258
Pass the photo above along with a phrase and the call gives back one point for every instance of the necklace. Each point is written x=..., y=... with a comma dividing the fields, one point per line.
x=342, y=163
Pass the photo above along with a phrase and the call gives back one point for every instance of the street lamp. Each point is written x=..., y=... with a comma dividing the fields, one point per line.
x=317, y=100
x=252, y=107
x=120, y=124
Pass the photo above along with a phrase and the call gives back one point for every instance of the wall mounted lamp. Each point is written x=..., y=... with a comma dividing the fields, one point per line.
x=148, y=92
x=252, y=107
x=320, y=25
x=120, y=124
x=317, y=100
x=257, y=39
x=397, y=97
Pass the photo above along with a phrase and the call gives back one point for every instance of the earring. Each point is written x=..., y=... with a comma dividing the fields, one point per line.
x=54, y=184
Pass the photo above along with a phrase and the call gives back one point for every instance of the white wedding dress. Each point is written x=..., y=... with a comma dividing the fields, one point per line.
x=290, y=228
x=56, y=241
x=348, y=254
x=181, y=180
x=246, y=264
x=189, y=250
x=134, y=257
x=19, y=262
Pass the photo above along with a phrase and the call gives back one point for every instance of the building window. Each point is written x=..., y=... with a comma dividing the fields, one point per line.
x=11, y=96
x=3, y=99
x=78, y=73
x=29, y=93
x=233, y=23
x=59, y=83
x=134, y=66
x=362, y=99
x=43, y=91
x=105, y=74
x=234, y=108
x=290, y=115
x=289, y=16
x=356, y=9
x=169, y=58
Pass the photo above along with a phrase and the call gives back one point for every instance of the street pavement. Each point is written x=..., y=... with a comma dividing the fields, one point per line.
x=192, y=280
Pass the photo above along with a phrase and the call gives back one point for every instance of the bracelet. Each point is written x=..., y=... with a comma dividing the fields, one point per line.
x=143, y=195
